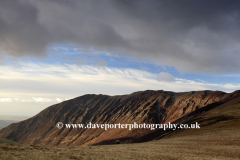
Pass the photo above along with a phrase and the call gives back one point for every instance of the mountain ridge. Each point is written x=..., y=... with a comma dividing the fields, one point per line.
x=141, y=107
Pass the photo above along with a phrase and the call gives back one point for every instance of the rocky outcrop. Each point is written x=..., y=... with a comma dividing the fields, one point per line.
x=140, y=107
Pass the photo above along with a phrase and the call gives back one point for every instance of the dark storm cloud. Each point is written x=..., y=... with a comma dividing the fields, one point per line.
x=20, y=32
x=199, y=36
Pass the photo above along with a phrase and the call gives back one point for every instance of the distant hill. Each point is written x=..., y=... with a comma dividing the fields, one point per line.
x=6, y=120
x=16, y=118
x=140, y=107
x=6, y=123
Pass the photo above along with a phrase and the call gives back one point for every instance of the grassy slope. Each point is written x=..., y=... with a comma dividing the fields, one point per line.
x=6, y=141
x=218, y=138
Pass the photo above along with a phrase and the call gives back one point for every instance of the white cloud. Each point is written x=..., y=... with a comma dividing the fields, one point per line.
x=30, y=100
x=6, y=100
x=40, y=99
x=59, y=100
x=201, y=80
x=37, y=86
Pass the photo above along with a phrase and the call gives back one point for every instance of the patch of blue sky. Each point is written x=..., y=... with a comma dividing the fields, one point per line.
x=204, y=78
x=66, y=54
x=62, y=53
x=116, y=61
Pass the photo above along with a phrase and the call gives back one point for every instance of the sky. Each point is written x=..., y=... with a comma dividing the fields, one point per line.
x=55, y=50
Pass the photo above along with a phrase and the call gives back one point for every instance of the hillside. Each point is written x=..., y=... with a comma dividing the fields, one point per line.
x=140, y=107
x=218, y=138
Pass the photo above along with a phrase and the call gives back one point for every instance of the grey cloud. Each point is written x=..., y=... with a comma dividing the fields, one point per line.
x=200, y=36
x=81, y=60
x=102, y=63
x=164, y=76
x=20, y=32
